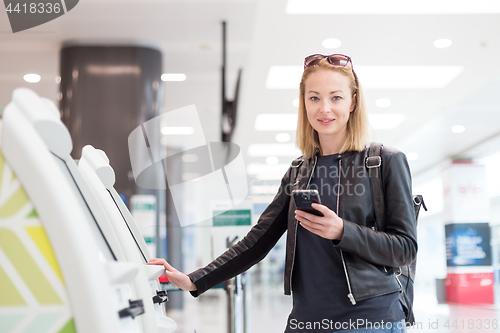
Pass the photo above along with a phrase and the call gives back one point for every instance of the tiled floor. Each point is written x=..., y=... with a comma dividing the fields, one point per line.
x=270, y=308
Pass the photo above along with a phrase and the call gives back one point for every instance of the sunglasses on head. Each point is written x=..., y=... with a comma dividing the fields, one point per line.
x=339, y=60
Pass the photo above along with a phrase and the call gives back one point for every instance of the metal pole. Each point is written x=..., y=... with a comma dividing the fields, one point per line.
x=231, y=289
x=244, y=301
x=223, y=102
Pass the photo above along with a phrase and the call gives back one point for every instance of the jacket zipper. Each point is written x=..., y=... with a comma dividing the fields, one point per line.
x=350, y=295
x=295, y=235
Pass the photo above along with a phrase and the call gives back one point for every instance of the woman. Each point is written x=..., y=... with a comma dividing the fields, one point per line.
x=339, y=267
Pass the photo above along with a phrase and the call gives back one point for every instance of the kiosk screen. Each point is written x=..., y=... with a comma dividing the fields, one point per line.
x=104, y=248
x=131, y=233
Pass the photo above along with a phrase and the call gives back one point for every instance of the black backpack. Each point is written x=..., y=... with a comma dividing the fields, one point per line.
x=406, y=274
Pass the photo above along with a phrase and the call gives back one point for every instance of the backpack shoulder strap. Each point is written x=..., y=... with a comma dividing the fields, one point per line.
x=296, y=164
x=374, y=165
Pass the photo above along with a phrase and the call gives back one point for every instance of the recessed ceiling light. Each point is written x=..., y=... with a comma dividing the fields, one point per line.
x=282, y=137
x=375, y=77
x=442, y=43
x=412, y=156
x=111, y=70
x=386, y=121
x=173, y=77
x=276, y=122
x=272, y=160
x=331, y=43
x=273, y=149
x=58, y=79
x=177, y=130
x=392, y=7
x=32, y=78
x=458, y=129
x=296, y=102
x=383, y=102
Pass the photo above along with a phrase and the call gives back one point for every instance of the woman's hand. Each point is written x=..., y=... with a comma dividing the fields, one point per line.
x=179, y=279
x=329, y=226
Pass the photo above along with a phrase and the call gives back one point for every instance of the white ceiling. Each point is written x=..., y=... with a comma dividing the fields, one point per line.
x=261, y=35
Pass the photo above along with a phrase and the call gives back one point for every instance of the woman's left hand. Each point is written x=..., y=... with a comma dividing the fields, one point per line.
x=329, y=226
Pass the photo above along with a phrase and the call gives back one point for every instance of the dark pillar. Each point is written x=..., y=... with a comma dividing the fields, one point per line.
x=106, y=92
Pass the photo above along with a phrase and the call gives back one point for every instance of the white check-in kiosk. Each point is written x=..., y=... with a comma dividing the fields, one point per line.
x=62, y=267
x=94, y=166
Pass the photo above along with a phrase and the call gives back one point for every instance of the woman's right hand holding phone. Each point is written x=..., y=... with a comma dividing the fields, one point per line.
x=179, y=279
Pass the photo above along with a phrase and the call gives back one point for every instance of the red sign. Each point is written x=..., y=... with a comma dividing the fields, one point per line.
x=470, y=288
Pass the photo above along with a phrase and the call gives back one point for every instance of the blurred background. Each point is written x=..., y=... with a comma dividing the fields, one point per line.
x=431, y=78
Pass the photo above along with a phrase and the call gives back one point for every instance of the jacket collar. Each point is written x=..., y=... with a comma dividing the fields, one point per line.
x=342, y=155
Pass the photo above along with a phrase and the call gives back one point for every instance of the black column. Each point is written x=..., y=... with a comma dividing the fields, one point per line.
x=106, y=93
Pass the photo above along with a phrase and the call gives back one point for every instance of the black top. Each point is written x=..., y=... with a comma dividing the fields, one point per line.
x=319, y=284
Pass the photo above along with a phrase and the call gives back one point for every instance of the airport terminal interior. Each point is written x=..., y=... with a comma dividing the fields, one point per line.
x=140, y=129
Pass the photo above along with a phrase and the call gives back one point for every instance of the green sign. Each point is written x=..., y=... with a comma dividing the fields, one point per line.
x=149, y=240
x=232, y=217
x=143, y=206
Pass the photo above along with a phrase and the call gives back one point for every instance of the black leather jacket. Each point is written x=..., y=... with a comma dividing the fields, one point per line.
x=368, y=255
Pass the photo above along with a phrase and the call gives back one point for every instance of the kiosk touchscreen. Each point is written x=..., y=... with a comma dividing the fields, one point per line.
x=61, y=266
x=94, y=165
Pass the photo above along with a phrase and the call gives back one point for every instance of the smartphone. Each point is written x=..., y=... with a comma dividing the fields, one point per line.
x=304, y=199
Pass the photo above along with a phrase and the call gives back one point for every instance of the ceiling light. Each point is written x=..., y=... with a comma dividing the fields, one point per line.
x=276, y=149
x=58, y=79
x=177, y=130
x=392, y=7
x=386, y=121
x=383, y=102
x=331, y=43
x=272, y=160
x=173, y=77
x=111, y=70
x=296, y=102
x=374, y=77
x=412, y=156
x=282, y=137
x=458, y=129
x=442, y=43
x=32, y=78
x=276, y=122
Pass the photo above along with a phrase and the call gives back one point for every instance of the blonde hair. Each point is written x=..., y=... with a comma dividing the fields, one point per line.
x=357, y=126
